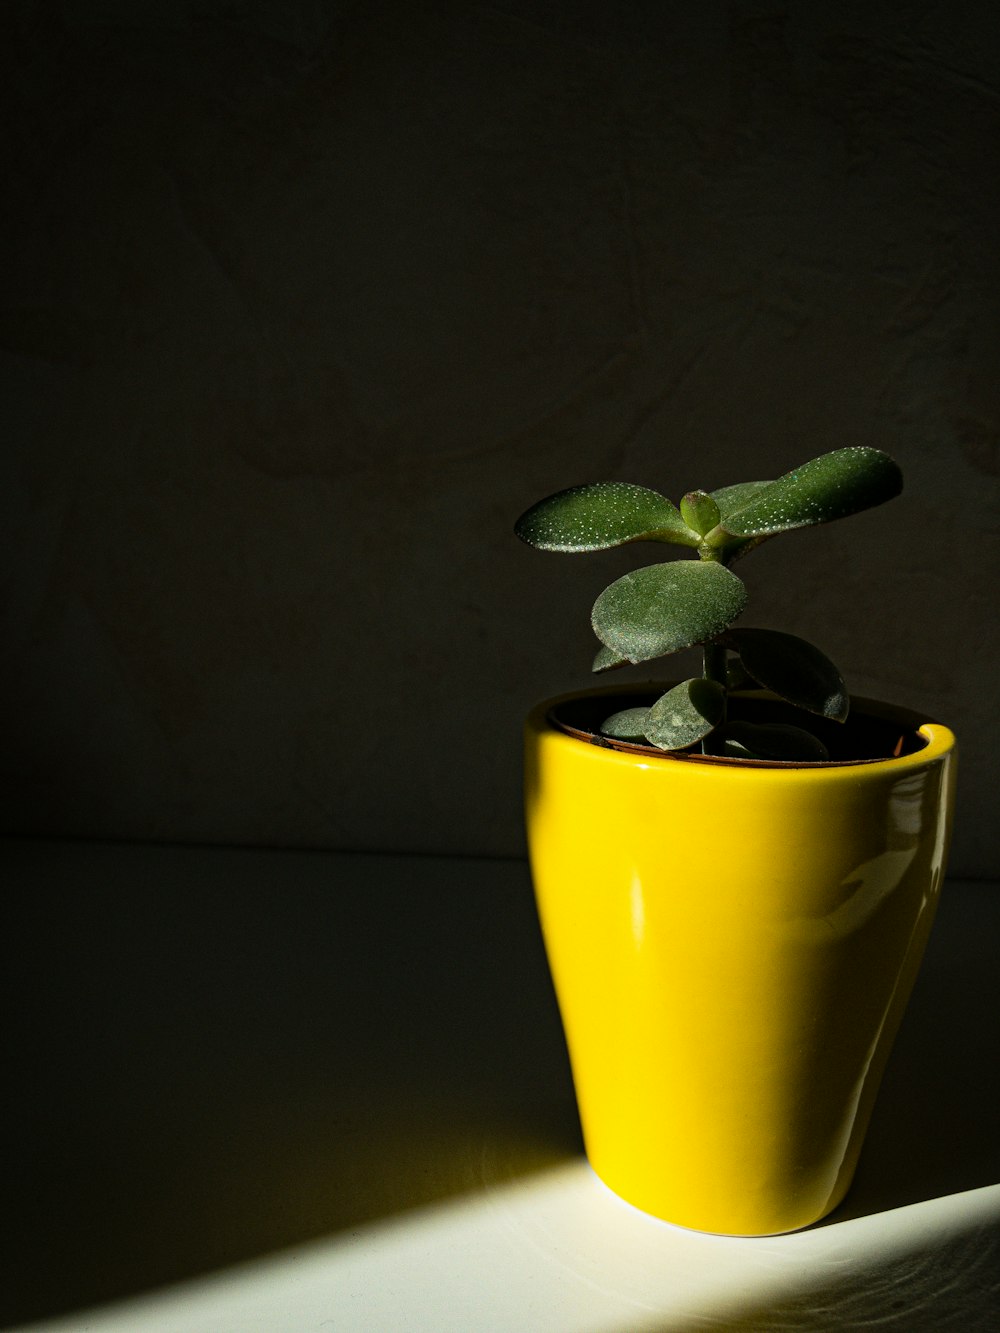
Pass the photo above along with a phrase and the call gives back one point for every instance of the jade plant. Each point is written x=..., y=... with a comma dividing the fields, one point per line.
x=664, y=608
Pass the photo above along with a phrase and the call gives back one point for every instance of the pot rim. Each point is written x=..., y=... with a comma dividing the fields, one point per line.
x=936, y=739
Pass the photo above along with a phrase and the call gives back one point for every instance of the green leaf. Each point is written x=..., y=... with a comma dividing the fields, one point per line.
x=686, y=714
x=628, y=725
x=792, y=668
x=731, y=498
x=606, y=660
x=773, y=741
x=829, y=487
x=595, y=518
x=737, y=677
x=699, y=511
x=663, y=608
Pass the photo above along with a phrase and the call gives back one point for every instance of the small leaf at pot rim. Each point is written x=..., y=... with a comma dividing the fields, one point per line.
x=774, y=741
x=627, y=725
x=792, y=668
x=598, y=517
x=835, y=485
x=662, y=608
x=686, y=714
x=731, y=748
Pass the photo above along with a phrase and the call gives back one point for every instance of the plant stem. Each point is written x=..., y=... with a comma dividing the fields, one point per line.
x=714, y=668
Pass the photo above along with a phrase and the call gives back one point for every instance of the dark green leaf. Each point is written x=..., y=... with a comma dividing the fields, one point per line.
x=594, y=518
x=628, y=725
x=773, y=741
x=731, y=498
x=793, y=669
x=663, y=608
x=686, y=714
x=832, y=486
x=699, y=511
x=606, y=660
x=737, y=677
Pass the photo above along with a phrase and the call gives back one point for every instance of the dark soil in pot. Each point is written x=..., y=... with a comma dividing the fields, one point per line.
x=868, y=735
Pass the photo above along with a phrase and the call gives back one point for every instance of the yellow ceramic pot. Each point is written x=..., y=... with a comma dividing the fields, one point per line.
x=732, y=947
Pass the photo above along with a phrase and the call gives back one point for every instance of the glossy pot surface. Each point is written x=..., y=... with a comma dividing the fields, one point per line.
x=732, y=948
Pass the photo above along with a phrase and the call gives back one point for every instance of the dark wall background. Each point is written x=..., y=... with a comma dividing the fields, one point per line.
x=309, y=300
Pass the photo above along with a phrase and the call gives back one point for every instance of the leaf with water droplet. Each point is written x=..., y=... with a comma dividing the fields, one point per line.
x=832, y=486
x=598, y=517
x=628, y=725
x=731, y=498
x=686, y=714
x=663, y=608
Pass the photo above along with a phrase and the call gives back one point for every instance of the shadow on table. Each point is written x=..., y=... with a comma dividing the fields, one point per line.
x=216, y=1054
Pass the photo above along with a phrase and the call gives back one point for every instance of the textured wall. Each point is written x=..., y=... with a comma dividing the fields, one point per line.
x=310, y=300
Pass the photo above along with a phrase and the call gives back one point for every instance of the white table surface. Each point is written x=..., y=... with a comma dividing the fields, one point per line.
x=277, y=1091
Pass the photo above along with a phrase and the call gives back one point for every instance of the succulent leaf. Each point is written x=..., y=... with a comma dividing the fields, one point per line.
x=606, y=660
x=699, y=511
x=728, y=500
x=792, y=668
x=663, y=608
x=598, y=517
x=832, y=486
x=686, y=714
x=773, y=741
x=628, y=725
x=731, y=498
x=737, y=676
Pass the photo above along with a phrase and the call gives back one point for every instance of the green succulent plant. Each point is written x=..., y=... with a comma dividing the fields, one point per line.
x=663, y=608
